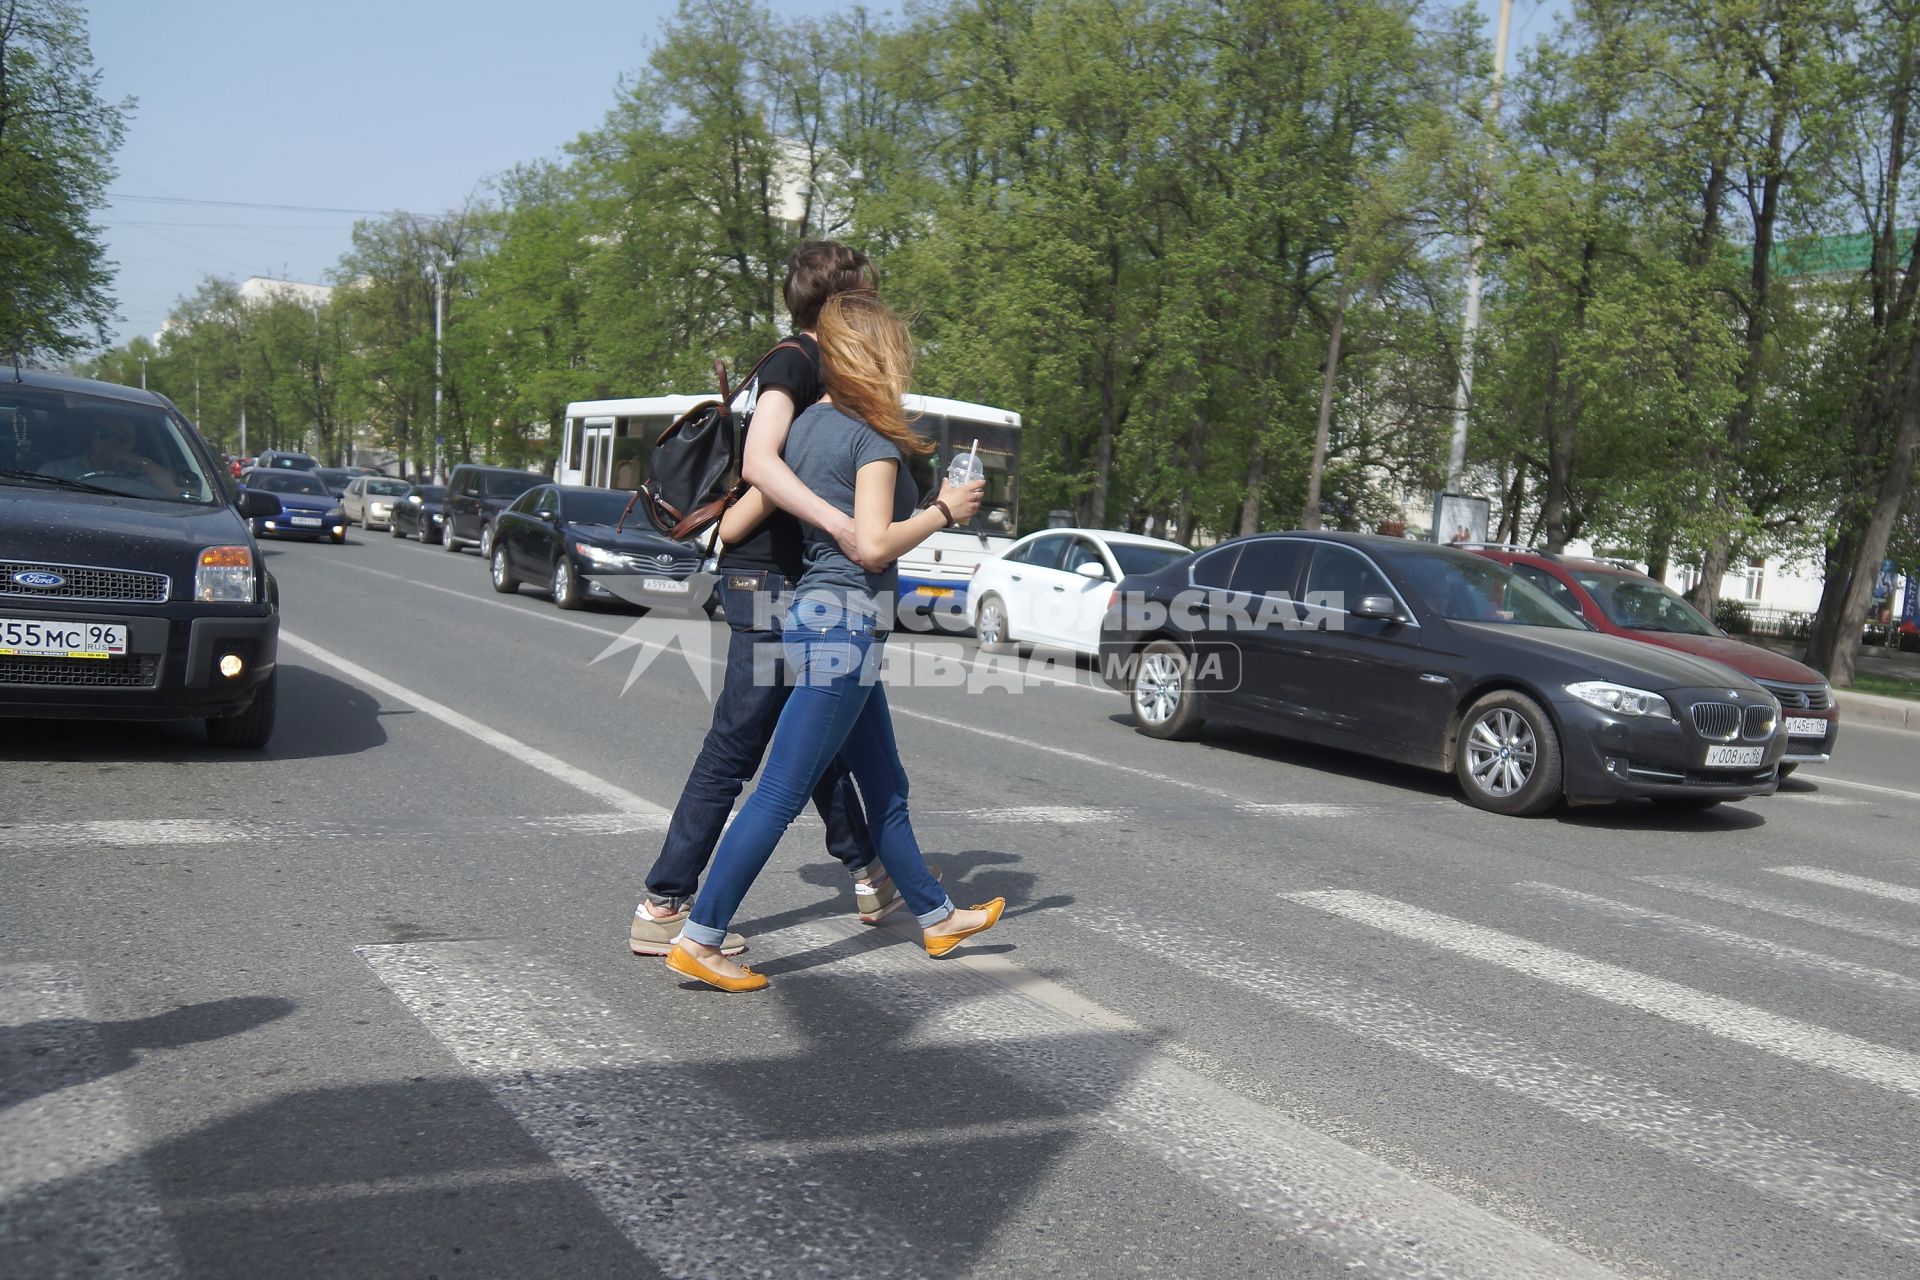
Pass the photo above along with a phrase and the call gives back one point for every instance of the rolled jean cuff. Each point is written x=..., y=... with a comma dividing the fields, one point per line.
x=935, y=916
x=705, y=935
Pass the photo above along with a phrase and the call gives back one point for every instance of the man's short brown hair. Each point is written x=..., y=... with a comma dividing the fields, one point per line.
x=818, y=269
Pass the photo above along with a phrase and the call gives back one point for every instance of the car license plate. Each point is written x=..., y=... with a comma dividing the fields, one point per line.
x=938, y=593
x=44, y=638
x=305, y=521
x=1734, y=757
x=667, y=586
x=1806, y=727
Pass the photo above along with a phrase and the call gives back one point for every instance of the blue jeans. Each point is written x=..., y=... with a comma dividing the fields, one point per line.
x=838, y=708
x=744, y=717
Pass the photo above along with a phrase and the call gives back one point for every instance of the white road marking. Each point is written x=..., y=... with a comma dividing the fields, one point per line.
x=1859, y=884
x=75, y=1198
x=1862, y=786
x=1790, y=909
x=1307, y=1187
x=651, y=1140
x=1800, y=1042
x=554, y=767
x=1302, y=809
x=1776, y=953
x=1838, y=1187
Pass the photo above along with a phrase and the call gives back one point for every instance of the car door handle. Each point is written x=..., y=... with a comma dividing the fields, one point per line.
x=1014, y=576
x=1059, y=588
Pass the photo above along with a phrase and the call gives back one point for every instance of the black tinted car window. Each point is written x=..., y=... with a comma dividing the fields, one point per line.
x=288, y=482
x=1268, y=567
x=604, y=507
x=1083, y=552
x=1216, y=567
x=1044, y=553
x=512, y=485
x=527, y=503
x=1133, y=558
x=431, y=492
x=1340, y=576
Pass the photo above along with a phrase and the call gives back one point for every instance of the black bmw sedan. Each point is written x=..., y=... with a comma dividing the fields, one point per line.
x=1437, y=658
x=583, y=543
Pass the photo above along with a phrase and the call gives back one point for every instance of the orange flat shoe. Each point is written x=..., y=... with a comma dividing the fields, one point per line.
x=940, y=944
x=681, y=960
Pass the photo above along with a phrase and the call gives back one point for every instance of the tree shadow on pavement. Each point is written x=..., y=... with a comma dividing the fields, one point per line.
x=40, y=1057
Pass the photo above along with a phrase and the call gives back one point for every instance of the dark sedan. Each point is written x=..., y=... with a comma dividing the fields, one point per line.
x=1437, y=658
x=422, y=515
x=307, y=510
x=583, y=544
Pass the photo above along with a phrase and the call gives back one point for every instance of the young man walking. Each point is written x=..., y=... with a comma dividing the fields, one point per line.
x=755, y=575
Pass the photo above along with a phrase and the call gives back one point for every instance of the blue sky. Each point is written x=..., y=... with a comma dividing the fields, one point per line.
x=367, y=105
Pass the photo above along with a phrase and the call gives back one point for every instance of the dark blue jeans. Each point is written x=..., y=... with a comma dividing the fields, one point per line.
x=744, y=717
x=838, y=712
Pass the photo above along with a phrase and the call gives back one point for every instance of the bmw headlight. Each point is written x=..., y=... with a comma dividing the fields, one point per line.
x=598, y=555
x=1622, y=699
x=225, y=574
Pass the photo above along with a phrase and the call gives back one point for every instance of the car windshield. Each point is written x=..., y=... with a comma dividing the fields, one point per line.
x=74, y=440
x=388, y=488
x=1138, y=559
x=598, y=508
x=334, y=476
x=1641, y=604
x=1466, y=588
x=510, y=486
x=287, y=482
x=430, y=492
x=292, y=462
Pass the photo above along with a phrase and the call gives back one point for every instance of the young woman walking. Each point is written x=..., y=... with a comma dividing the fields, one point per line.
x=849, y=448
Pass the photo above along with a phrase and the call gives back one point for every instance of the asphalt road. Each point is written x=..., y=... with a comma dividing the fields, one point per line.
x=361, y=1004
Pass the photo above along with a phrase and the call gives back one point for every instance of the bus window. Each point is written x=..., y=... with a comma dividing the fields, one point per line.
x=999, y=455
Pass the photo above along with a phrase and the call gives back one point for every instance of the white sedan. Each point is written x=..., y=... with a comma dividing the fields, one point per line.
x=1051, y=588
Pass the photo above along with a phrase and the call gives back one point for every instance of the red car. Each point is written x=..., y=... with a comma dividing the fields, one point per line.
x=1625, y=602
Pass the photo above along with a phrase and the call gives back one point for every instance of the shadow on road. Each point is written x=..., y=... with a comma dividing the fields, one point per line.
x=318, y=716
x=39, y=1057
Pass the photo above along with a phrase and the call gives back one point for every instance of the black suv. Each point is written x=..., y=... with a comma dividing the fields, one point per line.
x=475, y=495
x=130, y=587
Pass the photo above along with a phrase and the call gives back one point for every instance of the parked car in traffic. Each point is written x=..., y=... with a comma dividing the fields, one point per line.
x=130, y=588
x=475, y=495
x=1622, y=601
x=286, y=460
x=1051, y=588
x=307, y=510
x=419, y=514
x=1438, y=658
x=581, y=543
x=369, y=500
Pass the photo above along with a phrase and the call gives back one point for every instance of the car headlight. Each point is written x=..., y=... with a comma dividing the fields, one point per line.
x=1622, y=699
x=598, y=555
x=437, y=517
x=224, y=574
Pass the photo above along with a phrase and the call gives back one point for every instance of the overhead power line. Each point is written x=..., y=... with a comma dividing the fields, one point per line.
x=283, y=208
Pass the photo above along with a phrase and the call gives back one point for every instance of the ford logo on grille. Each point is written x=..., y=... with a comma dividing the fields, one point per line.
x=39, y=578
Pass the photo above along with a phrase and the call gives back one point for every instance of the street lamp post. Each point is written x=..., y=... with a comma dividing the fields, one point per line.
x=438, y=271
x=143, y=373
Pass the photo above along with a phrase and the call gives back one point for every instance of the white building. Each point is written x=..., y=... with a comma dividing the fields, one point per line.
x=260, y=290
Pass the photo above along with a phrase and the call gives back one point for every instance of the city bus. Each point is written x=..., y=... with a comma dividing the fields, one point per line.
x=605, y=443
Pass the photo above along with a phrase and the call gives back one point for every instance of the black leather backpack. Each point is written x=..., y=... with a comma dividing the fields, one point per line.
x=694, y=468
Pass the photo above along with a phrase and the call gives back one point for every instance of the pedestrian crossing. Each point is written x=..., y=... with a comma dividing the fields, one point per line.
x=617, y=1082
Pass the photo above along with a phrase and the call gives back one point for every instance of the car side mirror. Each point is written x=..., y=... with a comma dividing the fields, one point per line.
x=256, y=504
x=1385, y=608
x=1093, y=570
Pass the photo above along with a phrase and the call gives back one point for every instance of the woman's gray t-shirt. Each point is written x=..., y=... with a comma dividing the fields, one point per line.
x=826, y=448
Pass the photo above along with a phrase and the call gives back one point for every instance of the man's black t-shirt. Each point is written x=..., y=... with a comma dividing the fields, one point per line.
x=776, y=543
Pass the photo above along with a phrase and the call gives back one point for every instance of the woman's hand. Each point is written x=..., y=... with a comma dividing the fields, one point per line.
x=963, y=500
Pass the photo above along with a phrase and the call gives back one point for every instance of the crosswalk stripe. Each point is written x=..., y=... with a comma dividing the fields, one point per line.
x=75, y=1198
x=1800, y=1042
x=1776, y=952
x=1859, y=884
x=1841, y=1188
x=1377, y=1219
x=1826, y=919
x=692, y=1193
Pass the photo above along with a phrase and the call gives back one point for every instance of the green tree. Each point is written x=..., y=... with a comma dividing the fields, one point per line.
x=57, y=139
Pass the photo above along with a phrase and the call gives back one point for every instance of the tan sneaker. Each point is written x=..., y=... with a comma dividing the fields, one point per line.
x=879, y=898
x=655, y=935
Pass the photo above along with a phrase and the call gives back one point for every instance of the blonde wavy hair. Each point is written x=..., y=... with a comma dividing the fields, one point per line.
x=866, y=360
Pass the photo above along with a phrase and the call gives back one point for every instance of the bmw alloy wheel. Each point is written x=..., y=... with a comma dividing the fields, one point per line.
x=1501, y=752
